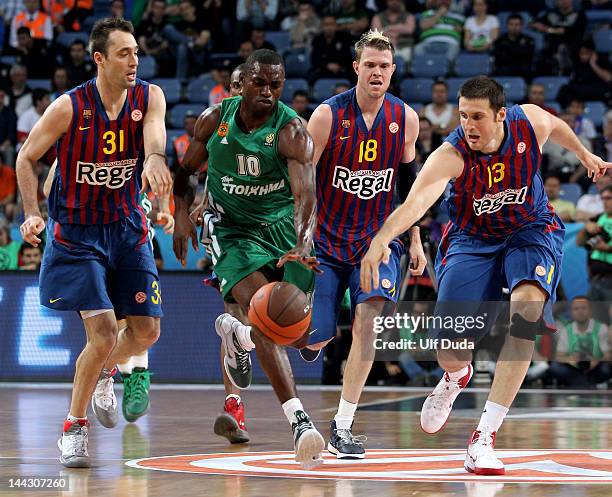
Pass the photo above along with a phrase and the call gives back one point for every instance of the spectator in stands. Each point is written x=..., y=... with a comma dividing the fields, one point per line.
x=258, y=14
x=341, y=88
x=481, y=29
x=181, y=143
x=151, y=40
x=60, y=82
x=56, y=11
x=590, y=205
x=303, y=26
x=352, y=18
x=331, y=55
x=19, y=93
x=561, y=162
x=81, y=10
x=583, y=349
x=219, y=18
x=246, y=48
x=8, y=192
x=117, y=8
x=9, y=249
x=79, y=67
x=591, y=77
x=8, y=131
x=443, y=115
x=35, y=20
x=399, y=25
x=440, y=31
x=190, y=39
x=299, y=103
x=427, y=142
x=565, y=209
x=514, y=50
x=222, y=89
x=258, y=37
x=583, y=126
x=603, y=144
x=33, y=54
x=596, y=236
x=563, y=28
x=30, y=257
x=9, y=9
x=27, y=120
x=537, y=96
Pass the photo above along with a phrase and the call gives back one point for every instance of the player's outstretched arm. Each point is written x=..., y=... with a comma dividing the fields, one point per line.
x=195, y=156
x=155, y=173
x=49, y=128
x=547, y=126
x=296, y=145
x=441, y=166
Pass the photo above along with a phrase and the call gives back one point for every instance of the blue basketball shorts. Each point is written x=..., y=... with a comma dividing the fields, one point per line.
x=331, y=286
x=472, y=271
x=102, y=266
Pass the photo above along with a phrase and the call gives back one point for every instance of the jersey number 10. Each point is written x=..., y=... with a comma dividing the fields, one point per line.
x=248, y=165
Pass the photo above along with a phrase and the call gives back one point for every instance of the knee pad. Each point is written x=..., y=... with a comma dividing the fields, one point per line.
x=521, y=328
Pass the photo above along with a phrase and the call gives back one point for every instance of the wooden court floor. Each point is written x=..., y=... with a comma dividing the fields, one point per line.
x=554, y=443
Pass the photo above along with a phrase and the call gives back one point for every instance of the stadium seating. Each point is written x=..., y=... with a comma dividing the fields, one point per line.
x=171, y=134
x=324, y=88
x=176, y=116
x=40, y=83
x=552, y=85
x=469, y=64
x=416, y=89
x=515, y=87
x=199, y=88
x=147, y=67
x=429, y=66
x=291, y=86
x=554, y=105
x=65, y=39
x=603, y=40
x=171, y=88
x=453, y=88
x=297, y=65
x=280, y=39
x=571, y=192
x=595, y=111
x=597, y=18
x=400, y=68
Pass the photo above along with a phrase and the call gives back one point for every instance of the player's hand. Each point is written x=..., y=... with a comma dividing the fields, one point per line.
x=167, y=221
x=378, y=252
x=31, y=227
x=301, y=255
x=596, y=167
x=418, y=262
x=183, y=230
x=157, y=176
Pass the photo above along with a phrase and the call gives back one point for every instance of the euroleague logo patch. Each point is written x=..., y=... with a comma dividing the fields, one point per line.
x=540, y=271
x=533, y=466
x=136, y=115
x=521, y=147
x=140, y=297
x=394, y=127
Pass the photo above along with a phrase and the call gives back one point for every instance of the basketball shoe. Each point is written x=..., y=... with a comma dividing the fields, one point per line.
x=480, y=458
x=103, y=400
x=343, y=444
x=230, y=423
x=307, y=440
x=136, y=400
x=237, y=361
x=437, y=407
x=73, y=444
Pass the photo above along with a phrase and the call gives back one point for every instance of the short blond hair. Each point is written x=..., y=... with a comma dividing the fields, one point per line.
x=375, y=39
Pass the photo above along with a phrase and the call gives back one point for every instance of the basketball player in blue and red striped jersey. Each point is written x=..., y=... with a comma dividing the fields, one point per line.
x=364, y=141
x=502, y=233
x=108, y=133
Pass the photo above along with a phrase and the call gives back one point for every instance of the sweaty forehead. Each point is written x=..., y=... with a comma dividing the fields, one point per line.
x=373, y=55
x=268, y=72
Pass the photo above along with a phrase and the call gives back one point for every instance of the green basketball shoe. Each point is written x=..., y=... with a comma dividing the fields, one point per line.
x=136, y=394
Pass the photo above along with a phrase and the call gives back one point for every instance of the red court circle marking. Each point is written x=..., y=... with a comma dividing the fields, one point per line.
x=534, y=466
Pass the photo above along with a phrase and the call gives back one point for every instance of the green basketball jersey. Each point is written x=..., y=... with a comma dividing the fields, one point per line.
x=248, y=182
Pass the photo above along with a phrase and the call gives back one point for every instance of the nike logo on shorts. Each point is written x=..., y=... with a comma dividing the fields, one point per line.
x=53, y=301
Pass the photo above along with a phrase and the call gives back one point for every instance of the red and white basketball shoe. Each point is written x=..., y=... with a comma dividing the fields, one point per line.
x=480, y=458
x=230, y=423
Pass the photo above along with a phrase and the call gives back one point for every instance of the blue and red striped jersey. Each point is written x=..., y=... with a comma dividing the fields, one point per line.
x=356, y=175
x=498, y=193
x=99, y=161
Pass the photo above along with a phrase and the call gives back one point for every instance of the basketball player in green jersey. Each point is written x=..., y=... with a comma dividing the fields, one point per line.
x=135, y=372
x=261, y=184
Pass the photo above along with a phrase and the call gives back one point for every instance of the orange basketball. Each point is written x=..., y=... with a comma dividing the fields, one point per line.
x=281, y=311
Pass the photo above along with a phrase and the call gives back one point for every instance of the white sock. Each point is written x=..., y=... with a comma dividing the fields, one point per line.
x=126, y=367
x=492, y=416
x=457, y=375
x=237, y=397
x=290, y=407
x=74, y=419
x=346, y=413
x=141, y=361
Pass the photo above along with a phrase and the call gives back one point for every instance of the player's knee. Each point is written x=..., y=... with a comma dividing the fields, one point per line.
x=104, y=339
x=147, y=332
x=524, y=328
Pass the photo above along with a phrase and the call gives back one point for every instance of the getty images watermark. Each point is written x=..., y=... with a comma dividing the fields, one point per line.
x=422, y=332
